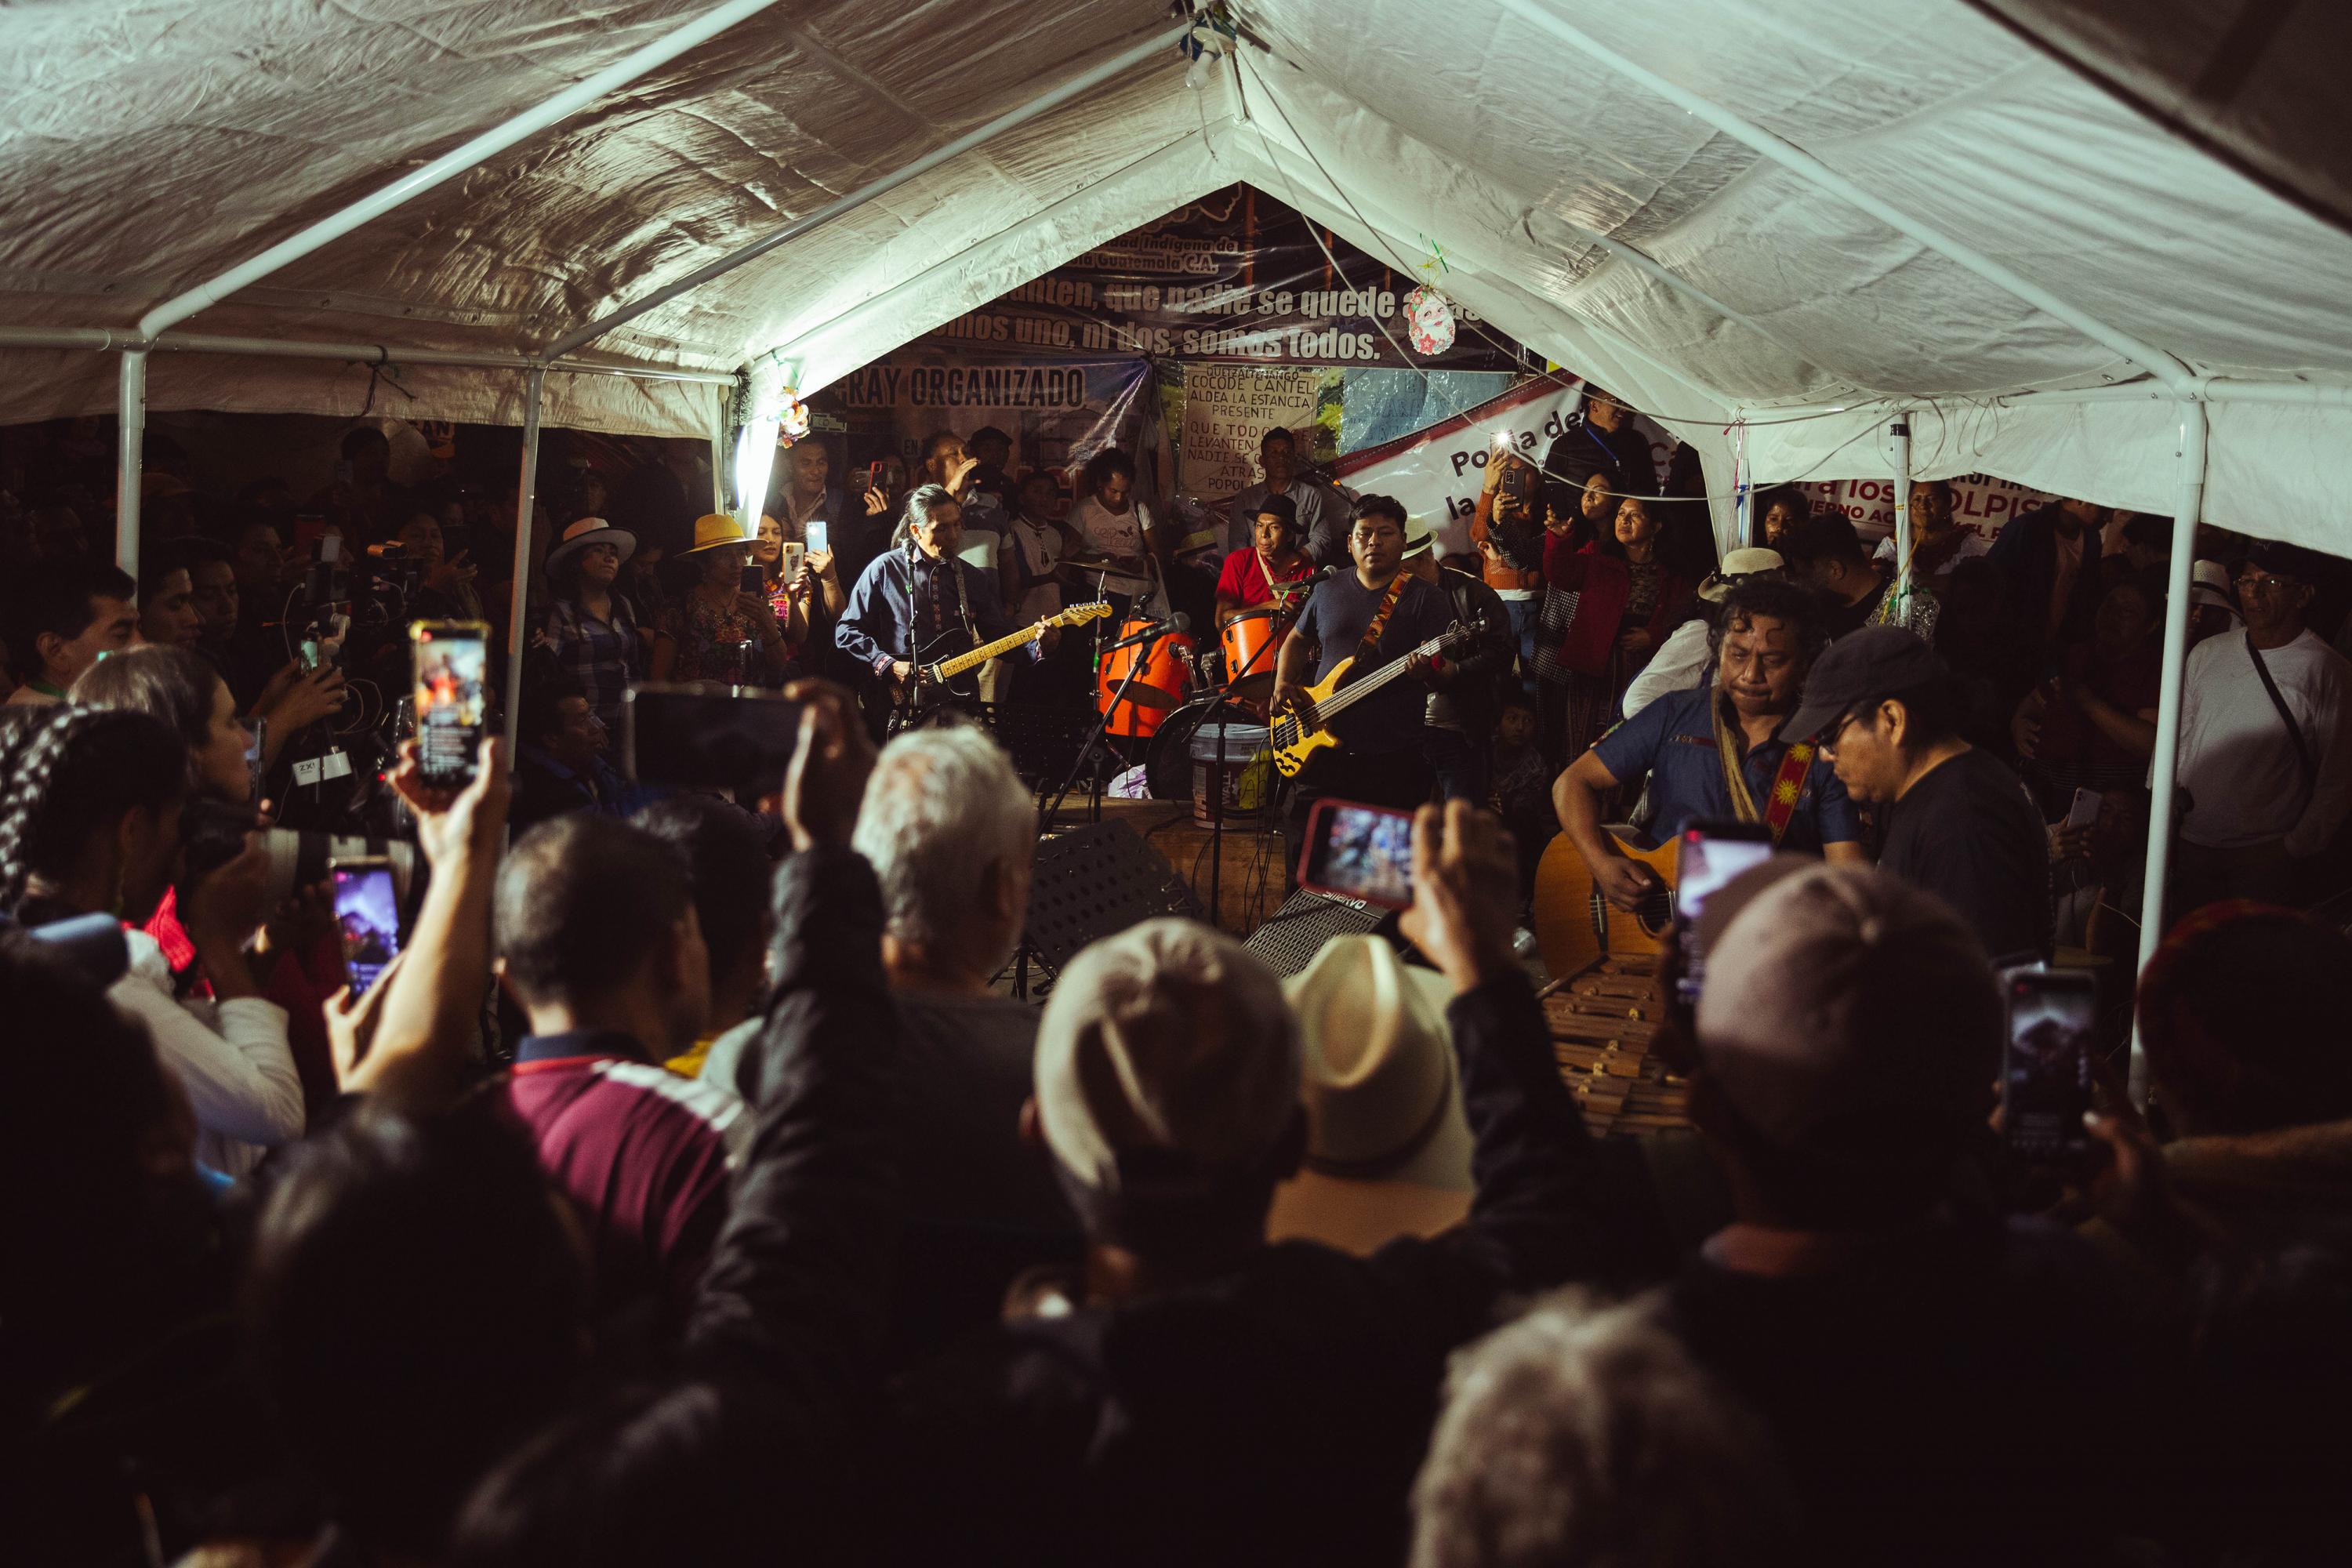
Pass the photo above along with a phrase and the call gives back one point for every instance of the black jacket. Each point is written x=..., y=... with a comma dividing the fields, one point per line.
x=1585, y=446
x=1471, y=692
x=1276, y=1414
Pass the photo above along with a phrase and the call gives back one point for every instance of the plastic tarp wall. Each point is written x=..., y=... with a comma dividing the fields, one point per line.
x=1584, y=212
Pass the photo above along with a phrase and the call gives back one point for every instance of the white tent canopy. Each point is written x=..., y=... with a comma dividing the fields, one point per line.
x=1578, y=205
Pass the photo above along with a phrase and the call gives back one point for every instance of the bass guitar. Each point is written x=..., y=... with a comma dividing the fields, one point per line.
x=1303, y=729
x=1576, y=927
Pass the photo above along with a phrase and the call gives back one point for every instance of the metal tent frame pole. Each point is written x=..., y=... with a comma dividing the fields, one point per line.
x=131, y=441
x=2194, y=427
x=1157, y=41
x=526, y=512
x=104, y=339
x=456, y=161
x=1900, y=429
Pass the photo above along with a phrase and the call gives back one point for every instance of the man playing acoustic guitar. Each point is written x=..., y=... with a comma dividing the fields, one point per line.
x=1712, y=753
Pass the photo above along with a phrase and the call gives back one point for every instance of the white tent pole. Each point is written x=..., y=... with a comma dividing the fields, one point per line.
x=129, y=460
x=526, y=510
x=1159, y=42
x=1743, y=488
x=2166, y=763
x=1815, y=172
x=456, y=162
x=1901, y=430
x=103, y=338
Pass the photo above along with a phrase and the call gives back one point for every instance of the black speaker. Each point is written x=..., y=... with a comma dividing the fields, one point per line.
x=1290, y=940
x=1096, y=881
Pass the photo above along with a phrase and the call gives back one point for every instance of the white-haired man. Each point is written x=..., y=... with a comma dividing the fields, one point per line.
x=949, y=829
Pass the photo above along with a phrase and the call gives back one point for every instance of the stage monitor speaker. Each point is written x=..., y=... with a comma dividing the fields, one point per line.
x=1095, y=881
x=1297, y=932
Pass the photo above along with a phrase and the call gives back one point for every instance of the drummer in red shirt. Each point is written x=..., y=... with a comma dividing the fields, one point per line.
x=1272, y=557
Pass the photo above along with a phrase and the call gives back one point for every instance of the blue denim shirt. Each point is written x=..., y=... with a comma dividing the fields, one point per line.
x=878, y=623
x=1672, y=740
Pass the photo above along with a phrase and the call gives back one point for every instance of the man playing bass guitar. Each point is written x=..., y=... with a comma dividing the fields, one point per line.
x=1713, y=754
x=1375, y=613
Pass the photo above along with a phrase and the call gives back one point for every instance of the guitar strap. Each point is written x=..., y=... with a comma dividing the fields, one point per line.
x=1369, y=648
x=1787, y=784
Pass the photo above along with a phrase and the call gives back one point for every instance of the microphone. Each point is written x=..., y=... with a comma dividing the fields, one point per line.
x=1176, y=625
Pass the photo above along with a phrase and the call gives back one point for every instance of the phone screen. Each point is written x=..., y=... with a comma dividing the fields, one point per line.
x=2045, y=1078
x=1360, y=852
x=708, y=736
x=1710, y=857
x=452, y=671
x=367, y=916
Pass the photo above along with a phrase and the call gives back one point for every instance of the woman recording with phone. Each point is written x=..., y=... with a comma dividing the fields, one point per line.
x=719, y=628
x=91, y=820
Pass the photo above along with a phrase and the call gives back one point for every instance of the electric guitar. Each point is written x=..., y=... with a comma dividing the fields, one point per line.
x=1305, y=727
x=1576, y=927
x=939, y=673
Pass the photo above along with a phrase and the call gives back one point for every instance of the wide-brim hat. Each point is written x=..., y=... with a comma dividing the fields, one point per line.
x=591, y=531
x=2208, y=583
x=1387, y=1145
x=714, y=529
x=1736, y=568
x=1417, y=539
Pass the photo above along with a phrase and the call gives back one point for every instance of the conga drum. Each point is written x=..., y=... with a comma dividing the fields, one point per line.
x=1163, y=673
x=1250, y=641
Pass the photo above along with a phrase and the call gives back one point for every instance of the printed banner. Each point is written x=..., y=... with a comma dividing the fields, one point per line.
x=1228, y=409
x=1060, y=413
x=1236, y=275
x=1978, y=498
x=1437, y=473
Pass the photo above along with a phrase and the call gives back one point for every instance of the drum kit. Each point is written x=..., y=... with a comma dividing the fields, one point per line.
x=1172, y=688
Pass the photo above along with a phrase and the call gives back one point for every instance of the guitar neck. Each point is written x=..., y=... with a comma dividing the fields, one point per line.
x=1339, y=701
x=949, y=668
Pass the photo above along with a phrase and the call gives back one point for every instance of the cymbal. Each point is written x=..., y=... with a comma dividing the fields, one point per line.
x=1143, y=696
x=1252, y=688
x=1089, y=562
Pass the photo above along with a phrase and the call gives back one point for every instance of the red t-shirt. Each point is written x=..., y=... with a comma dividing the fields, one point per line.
x=1243, y=579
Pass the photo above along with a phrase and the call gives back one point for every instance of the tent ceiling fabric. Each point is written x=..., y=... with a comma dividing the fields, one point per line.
x=143, y=148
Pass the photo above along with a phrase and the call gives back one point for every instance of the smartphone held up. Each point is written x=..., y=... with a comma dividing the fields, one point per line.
x=1360, y=853
x=367, y=919
x=451, y=664
x=2045, y=1073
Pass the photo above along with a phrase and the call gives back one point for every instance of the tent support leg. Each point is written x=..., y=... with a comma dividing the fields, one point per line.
x=526, y=510
x=130, y=458
x=1901, y=430
x=2193, y=427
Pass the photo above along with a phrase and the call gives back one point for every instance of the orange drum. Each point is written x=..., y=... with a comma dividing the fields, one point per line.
x=1160, y=685
x=1250, y=639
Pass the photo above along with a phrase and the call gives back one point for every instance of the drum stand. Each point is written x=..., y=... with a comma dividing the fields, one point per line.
x=1086, y=755
x=1217, y=780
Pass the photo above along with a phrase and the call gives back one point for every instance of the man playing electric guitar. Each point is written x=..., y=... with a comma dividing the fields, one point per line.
x=1713, y=754
x=1373, y=615
x=919, y=604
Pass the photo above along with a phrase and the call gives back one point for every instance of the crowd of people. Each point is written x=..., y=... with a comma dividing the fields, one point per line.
x=687, y=1189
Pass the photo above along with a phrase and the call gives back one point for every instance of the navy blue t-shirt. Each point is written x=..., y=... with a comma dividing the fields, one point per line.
x=1336, y=615
x=1672, y=740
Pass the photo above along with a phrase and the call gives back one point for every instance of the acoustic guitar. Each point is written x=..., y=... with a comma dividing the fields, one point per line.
x=1301, y=731
x=1576, y=927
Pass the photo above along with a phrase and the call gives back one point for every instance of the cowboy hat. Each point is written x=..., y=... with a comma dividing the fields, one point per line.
x=714, y=529
x=1388, y=1148
x=1736, y=567
x=590, y=531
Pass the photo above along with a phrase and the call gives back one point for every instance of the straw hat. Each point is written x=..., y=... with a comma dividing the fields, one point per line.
x=1388, y=1148
x=590, y=531
x=1417, y=538
x=1736, y=566
x=714, y=529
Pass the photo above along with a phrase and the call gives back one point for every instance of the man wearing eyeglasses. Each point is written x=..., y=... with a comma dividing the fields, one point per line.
x=2263, y=754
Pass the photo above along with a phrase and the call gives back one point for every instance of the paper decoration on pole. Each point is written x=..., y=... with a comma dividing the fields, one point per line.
x=1429, y=319
x=792, y=423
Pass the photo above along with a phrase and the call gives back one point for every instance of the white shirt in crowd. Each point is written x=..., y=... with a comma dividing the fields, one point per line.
x=1970, y=546
x=1679, y=664
x=1040, y=547
x=231, y=1057
x=1108, y=532
x=2237, y=763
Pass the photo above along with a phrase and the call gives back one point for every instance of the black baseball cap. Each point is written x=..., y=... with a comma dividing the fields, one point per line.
x=1279, y=507
x=2284, y=560
x=1874, y=662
